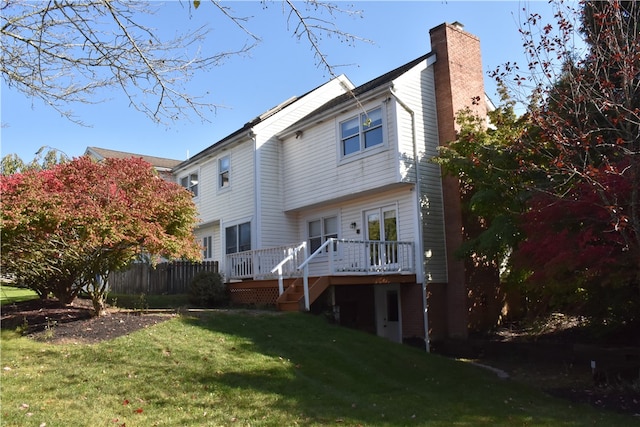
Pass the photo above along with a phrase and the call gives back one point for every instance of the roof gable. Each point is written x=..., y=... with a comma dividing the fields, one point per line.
x=364, y=88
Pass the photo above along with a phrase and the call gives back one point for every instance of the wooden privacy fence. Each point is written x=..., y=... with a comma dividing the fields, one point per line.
x=165, y=278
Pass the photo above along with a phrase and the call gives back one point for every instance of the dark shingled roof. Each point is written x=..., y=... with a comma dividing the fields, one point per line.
x=158, y=162
x=366, y=87
x=244, y=129
x=379, y=81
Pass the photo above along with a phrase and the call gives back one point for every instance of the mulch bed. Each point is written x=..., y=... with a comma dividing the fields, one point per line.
x=557, y=360
x=48, y=321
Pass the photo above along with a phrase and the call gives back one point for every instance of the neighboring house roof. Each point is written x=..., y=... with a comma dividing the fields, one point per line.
x=160, y=163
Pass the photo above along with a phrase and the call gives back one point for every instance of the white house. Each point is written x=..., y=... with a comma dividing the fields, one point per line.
x=329, y=201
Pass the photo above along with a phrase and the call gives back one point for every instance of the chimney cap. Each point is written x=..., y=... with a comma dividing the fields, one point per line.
x=458, y=25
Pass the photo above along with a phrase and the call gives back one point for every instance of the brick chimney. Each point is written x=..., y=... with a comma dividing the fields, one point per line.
x=459, y=83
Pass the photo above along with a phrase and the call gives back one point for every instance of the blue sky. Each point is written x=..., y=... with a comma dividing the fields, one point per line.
x=278, y=68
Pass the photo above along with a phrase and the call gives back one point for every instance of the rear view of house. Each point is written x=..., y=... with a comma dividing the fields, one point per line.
x=329, y=201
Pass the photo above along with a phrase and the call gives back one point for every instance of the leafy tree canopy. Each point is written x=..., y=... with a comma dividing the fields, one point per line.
x=67, y=227
x=572, y=178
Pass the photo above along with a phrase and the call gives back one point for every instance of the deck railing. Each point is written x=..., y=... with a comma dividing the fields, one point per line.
x=334, y=257
x=337, y=256
x=258, y=264
x=370, y=257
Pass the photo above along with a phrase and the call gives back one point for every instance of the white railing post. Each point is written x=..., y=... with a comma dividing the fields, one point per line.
x=305, y=281
x=280, y=282
x=331, y=256
x=305, y=278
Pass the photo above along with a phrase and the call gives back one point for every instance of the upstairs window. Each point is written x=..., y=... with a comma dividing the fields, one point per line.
x=223, y=172
x=190, y=182
x=362, y=132
x=321, y=230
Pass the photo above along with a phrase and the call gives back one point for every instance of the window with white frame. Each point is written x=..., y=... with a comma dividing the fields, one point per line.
x=361, y=132
x=207, y=247
x=320, y=230
x=238, y=238
x=190, y=182
x=223, y=172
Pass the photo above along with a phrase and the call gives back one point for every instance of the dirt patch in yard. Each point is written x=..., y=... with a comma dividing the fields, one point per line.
x=46, y=320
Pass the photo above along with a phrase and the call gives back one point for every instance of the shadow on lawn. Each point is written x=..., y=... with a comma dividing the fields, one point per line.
x=319, y=380
x=332, y=375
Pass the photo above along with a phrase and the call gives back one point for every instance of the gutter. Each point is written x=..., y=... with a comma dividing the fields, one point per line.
x=419, y=212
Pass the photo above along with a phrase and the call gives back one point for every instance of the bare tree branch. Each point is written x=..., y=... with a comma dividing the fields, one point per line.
x=67, y=52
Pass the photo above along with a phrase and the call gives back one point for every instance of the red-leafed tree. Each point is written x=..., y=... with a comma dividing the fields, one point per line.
x=583, y=231
x=557, y=191
x=580, y=262
x=66, y=228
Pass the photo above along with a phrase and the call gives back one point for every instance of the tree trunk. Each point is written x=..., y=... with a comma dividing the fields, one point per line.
x=99, y=304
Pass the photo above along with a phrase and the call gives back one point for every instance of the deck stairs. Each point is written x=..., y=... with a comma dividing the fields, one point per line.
x=292, y=299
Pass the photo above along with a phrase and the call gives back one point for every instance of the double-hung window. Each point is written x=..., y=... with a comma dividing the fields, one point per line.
x=361, y=132
x=320, y=230
x=207, y=248
x=190, y=182
x=238, y=238
x=223, y=172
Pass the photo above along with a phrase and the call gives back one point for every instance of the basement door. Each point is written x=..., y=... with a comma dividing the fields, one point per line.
x=388, y=316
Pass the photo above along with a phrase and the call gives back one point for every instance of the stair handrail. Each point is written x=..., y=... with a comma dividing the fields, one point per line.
x=305, y=268
x=291, y=252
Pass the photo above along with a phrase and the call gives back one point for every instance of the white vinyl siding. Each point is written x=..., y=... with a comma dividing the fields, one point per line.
x=237, y=200
x=274, y=227
x=416, y=88
x=314, y=172
x=282, y=185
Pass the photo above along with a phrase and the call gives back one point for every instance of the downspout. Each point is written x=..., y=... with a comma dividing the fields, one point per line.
x=419, y=246
x=256, y=233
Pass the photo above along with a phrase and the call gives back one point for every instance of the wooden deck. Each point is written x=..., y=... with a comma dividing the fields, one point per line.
x=265, y=292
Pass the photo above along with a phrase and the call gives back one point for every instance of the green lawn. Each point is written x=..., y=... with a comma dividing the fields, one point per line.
x=242, y=368
x=9, y=294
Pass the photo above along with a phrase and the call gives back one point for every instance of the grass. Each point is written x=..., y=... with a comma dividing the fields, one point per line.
x=242, y=368
x=10, y=294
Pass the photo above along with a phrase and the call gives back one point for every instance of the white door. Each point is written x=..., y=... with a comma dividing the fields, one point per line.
x=382, y=226
x=388, y=315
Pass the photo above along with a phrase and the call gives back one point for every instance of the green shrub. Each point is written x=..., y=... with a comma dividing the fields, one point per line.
x=208, y=290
